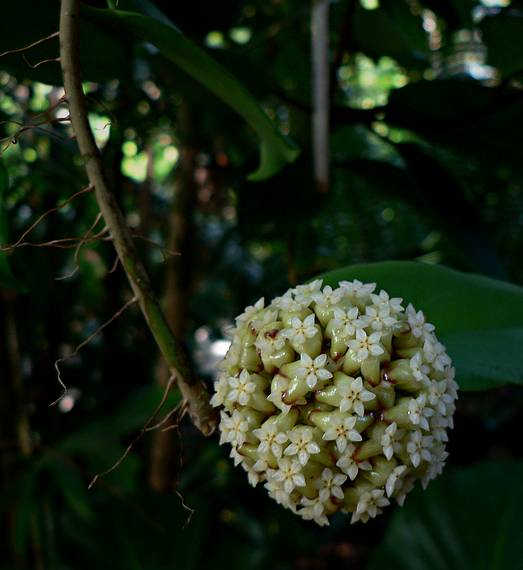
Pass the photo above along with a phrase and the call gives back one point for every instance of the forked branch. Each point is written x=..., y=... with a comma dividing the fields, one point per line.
x=192, y=389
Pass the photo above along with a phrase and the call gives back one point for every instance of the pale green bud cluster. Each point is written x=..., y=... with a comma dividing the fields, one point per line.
x=338, y=400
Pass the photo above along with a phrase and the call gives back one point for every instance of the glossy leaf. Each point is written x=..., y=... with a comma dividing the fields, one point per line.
x=468, y=518
x=276, y=150
x=480, y=319
x=487, y=359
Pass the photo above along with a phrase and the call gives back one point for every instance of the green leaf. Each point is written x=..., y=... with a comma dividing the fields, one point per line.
x=276, y=150
x=487, y=359
x=7, y=279
x=479, y=319
x=468, y=518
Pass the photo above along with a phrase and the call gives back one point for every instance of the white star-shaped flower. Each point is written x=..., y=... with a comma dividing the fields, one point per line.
x=270, y=341
x=313, y=370
x=251, y=311
x=304, y=293
x=382, y=301
x=327, y=297
x=394, y=478
x=391, y=440
x=242, y=388
x=221, y=387
x=287, y=303
x=300, y=331
x=419, y=412
x=289, y=474
x=301, y=444
x=346, y=321
x=233, y=428
x=370, y=505
x=277, y=491
x=418, y=326
x=379, y=319
x=351, y=466
x=434, y=353
x=263, y=318
x=364, y=346
x=438, y=396
x=438, y=427
x=418, y=447
x=357, y=289
x=271, y=440
x=313, y=509
x=329, y=485
x=342, y=430
x=353, y=396
x=439, y=457
x=419, y=370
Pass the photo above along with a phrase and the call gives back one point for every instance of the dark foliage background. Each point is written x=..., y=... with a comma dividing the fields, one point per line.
x=427, y=115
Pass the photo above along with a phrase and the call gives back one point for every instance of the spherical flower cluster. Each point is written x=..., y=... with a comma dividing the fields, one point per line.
x=336, y=399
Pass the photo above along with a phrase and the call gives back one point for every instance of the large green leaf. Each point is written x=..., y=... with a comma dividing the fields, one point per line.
x=478, y=318
x=467, y=519
x=276, y=150
x=486, y=359
x=7, y=279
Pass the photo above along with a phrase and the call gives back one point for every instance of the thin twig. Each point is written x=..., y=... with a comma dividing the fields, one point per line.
x=79, y=248
x=165, y=252
x=179, y=410
x=138, y=436
x=192, y=389
x=62, y=243
x=28, y=47
x=48, y=120
x=114, y=266
x=84, y=343
x=35, y=65
x=88, y=188
x=186, y=507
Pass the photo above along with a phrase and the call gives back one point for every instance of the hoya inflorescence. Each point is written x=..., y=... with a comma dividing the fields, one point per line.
x=336, y=399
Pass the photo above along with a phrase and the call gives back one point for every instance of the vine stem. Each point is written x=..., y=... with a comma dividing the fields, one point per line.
x=192, y=389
